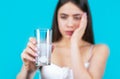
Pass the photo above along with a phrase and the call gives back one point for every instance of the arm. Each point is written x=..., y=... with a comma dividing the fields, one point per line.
x=28, y=57
x=98, y=60
x=97, y=63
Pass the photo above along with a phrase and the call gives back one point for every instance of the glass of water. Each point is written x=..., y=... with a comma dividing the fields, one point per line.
x=44, y=46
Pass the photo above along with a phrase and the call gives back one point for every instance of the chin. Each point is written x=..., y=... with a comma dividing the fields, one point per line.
x=68, y=37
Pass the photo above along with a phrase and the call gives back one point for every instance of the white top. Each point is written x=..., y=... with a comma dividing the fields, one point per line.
x=54, y=71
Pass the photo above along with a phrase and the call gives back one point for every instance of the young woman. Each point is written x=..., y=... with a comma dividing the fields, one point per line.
x=75, y=56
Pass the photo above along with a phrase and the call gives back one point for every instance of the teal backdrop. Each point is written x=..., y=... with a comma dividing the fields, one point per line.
x=19, y=18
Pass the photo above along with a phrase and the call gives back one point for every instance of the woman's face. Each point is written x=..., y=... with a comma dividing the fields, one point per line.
x=69, y=16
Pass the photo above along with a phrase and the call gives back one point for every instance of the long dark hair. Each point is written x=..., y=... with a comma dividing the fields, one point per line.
x=82, y=4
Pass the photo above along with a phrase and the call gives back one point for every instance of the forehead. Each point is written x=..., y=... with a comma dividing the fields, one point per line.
x=70, y=8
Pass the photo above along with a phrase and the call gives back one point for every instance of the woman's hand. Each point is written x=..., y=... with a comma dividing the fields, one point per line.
x=79, y=32
x=29, y=54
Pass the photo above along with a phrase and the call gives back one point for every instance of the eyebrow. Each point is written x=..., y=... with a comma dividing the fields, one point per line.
x=64, y=14
x=78, y=14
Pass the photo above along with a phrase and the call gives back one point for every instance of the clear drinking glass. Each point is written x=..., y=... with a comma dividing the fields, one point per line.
x=44, y=46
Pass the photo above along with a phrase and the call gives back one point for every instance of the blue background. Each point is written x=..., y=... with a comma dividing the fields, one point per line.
x=19, y=18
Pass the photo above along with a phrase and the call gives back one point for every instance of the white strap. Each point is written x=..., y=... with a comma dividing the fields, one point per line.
x=90, y=52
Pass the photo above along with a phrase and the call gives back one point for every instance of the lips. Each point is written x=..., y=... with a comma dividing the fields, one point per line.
x=69, y=33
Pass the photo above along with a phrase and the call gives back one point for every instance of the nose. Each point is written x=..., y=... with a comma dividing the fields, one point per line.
x=70, y=23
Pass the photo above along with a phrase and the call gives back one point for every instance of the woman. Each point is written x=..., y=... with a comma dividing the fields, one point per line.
x=74, y=55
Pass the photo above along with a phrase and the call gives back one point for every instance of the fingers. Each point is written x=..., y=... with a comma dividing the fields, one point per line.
x=32, y=46
x=26, y=56
x=30, y=52
x=83, y=22
x=33, y=40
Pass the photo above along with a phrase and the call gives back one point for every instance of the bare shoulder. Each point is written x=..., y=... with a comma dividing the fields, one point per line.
x=101, y=49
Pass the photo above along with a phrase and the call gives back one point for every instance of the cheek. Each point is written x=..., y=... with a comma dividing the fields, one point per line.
x=61, y=29
x=61, y=26
x=77, y=25
x=61, y=23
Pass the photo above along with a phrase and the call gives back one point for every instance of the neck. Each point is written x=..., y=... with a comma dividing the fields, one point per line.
x=65, y=42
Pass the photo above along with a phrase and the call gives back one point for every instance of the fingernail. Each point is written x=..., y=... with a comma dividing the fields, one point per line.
x=53, y=46
x=85, y=13
x=36, y=49
x=33, y=59
x=36, y=54
x=34, y=42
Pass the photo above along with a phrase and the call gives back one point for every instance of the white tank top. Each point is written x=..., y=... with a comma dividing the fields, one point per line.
x=54, y=71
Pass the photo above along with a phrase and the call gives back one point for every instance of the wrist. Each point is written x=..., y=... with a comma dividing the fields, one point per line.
x=27, y=73
x=74, y=44
x=74, y=47
x=27, y=69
